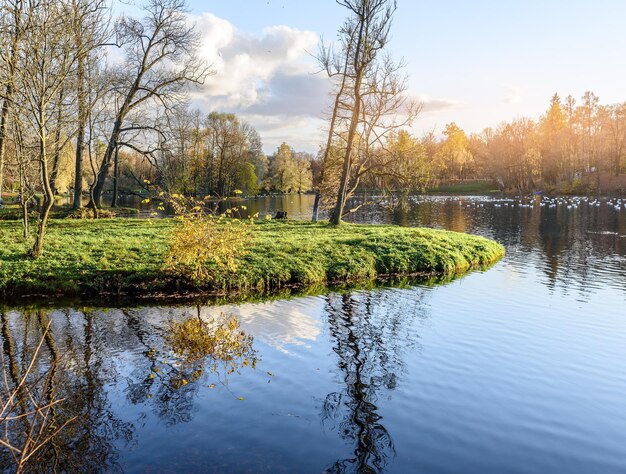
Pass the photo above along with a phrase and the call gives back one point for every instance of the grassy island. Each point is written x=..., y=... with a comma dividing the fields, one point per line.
x=125, y=256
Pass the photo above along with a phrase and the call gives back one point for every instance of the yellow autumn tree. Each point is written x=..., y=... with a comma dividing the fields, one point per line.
x=453, y=157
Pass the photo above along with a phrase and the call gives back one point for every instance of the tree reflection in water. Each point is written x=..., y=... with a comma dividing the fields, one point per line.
x=181, y=359
x=77, y=376
x=371, y=333
x=85, y=357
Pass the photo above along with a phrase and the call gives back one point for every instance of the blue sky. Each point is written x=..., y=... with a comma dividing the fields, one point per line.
x=477, y=63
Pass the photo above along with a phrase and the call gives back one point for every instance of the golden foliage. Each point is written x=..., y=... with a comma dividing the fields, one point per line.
x=221, y=342
x=198, y=242
x=204, y=239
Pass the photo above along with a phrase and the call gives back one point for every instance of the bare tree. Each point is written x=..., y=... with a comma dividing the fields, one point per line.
x=370, y=105
x=90, y=29
x=335, y=64
x=366, y=33
x=160, y=62
x=46, y=58
x=13, y=27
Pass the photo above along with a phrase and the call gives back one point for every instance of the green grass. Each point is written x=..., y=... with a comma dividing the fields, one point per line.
x=124, y=256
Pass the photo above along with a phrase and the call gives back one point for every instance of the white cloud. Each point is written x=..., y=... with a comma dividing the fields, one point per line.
x=247, y=66
x=270, y=81
x=430, y=104
x=267, y=79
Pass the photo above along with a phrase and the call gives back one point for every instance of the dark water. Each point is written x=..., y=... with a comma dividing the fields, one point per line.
x=521, y=368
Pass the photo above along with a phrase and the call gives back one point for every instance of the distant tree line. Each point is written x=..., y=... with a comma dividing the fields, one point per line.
x=216, y=155
x=571, y=140
x=571, y=147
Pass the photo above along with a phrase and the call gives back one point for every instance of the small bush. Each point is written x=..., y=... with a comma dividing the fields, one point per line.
x=204, y=240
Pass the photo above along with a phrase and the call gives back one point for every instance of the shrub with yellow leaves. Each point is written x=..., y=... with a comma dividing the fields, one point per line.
x=204, y=240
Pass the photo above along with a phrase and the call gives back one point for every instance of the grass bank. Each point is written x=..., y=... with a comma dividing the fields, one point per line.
x=125, y=256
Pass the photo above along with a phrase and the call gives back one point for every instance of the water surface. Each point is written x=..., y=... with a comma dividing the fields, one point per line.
x=520, y=368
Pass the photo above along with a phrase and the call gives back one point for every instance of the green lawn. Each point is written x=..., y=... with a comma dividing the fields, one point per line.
x=87, y=257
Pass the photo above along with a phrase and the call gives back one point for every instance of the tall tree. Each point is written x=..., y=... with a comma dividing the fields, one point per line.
x=90, y=29
x=302, y=170
x=587, y=115
x=13, y=27
x=552, y=130
x=283, y=169
x=336, y=64
x=615, y=131
x=366, y=33
x=453, y=155
x=46, y=60
x=160, y=62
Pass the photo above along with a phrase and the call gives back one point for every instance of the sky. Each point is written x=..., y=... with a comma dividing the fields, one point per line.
x=474, y=62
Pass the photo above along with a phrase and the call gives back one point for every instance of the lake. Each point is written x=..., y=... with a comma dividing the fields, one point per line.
x=519, y=368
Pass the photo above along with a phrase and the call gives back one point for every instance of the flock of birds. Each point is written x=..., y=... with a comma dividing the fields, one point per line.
x=617, y=204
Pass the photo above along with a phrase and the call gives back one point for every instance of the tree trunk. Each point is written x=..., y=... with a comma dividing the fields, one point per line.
x=57, y=145
x=24, y=207
x=329, y=142
x=115, y=176
x=335, y=217
x=42, y=225
x=3, y=129
x=48, y=200
x=80, y=137
x=316, y=205
x=23, y=202
x=359, y=67
x=107, y=164
x=8, y=95
x=92, y=203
